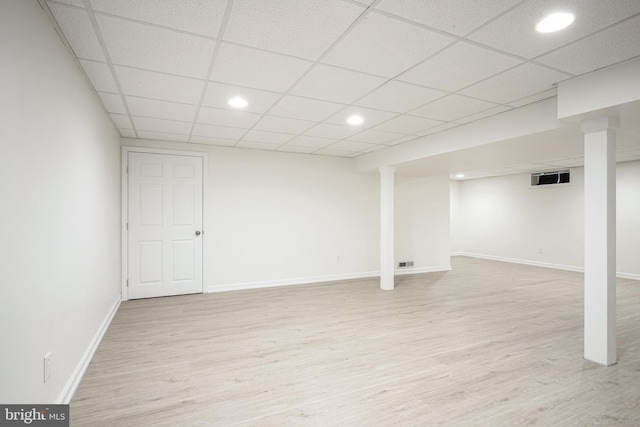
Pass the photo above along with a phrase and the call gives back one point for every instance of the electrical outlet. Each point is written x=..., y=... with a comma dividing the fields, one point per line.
x=47, y=367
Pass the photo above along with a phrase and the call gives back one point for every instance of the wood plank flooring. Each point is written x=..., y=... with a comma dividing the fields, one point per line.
x=486, y=344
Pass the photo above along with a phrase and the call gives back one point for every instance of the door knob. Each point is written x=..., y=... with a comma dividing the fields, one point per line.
x=198, y=232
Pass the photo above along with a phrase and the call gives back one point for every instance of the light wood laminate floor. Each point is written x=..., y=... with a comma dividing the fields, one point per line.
x=487, y=344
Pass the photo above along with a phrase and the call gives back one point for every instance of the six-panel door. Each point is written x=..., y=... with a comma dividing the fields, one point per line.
x=165, y=225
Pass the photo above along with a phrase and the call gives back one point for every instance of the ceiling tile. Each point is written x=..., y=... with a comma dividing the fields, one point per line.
x=218, y=94
x=149, y=84
x=371, y=117
x=296, y=149
x=452, y=107
x=436, y=129
x=212, y=141
x=78, y=30
x=375, y=136
x=267, y=137
x=310, y=141
x=613, y=45
x=163, y=136
x=514, y=31
x=333, y=153
x=122, y=121
x=100, y=76
x=402, y=140
x=257, y=145
x=407, y=125
x=519, y=82
x=221, y=132
x=456, y=17
x=143, y=46
x=399, y=97
x=113, y=102
x=194, y=16
x=550, y=93
x=373, y=148
x=282, y=124
x=336, y=84
x=239, y=65
x=385, y=46
x=351, y=146
x=308, y=102
x=287, y=26
x=459, y=66
x=78, y=3
x=161, y=109
x=161, y=125
x=226, y=117
x=327, y=130
x=304, y=108
x=486, y=113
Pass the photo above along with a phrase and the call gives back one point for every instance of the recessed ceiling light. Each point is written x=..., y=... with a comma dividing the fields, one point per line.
x=355, y=120
x=555, y=22
x=238, y=102
x=460, y=175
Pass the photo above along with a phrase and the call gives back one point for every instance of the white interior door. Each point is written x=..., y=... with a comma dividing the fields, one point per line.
x=164, y=225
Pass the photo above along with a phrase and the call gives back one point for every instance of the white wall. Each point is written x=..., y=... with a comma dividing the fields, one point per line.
x=454, y=208
x=282, y=218
x=59, y=220
x=278, y=218
x=422, y=222
x=628, y=218
x=503, y=217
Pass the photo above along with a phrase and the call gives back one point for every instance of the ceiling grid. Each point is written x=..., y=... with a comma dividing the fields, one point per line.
x=410, y=68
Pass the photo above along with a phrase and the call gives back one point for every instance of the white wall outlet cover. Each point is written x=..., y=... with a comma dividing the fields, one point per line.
x=47, y=367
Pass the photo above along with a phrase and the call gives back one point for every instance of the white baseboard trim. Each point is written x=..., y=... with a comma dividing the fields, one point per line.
x=524, y=261
x=628, y=276
x=411, y=270
x=316, y=279
x=288, y=282
x=74, y=380
x=541, y=264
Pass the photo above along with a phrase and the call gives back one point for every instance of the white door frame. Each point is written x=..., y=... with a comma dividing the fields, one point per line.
x=124, y=181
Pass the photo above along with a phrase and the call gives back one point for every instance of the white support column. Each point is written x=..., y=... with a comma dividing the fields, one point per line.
x=600, y=240
x=387, y=264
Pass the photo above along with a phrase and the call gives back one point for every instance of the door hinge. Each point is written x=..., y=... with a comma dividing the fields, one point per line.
x=127, y=169
x=127, y=226
x=127, y=283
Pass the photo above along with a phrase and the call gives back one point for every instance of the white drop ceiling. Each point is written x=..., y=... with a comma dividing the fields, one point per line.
x=165, y=69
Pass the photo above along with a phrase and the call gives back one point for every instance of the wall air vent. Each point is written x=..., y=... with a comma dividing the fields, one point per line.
x=405, y=264
x=548, y=178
